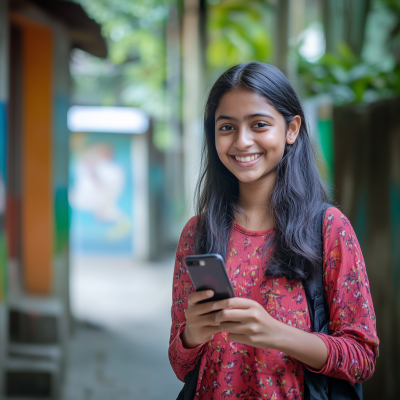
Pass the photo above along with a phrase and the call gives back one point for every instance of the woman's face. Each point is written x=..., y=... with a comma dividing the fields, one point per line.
x=250, y=134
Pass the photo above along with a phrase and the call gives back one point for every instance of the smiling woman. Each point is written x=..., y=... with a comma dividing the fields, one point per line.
x=259, y=201
x=247, y=139
x=253, y=109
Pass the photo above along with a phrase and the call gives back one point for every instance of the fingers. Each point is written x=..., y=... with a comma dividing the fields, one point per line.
x=239, y=302
x=203, y=334
x=205, y=320
x=235, y=302
x=238, y=328
x=196, y=297
x=194, y=308
x=233, y=315
x=210, y=330
x=209, y=307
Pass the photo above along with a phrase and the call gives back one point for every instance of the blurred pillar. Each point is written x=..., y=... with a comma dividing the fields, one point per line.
x=60, y=179
x=193, y=93
x=325, y=133
x=282, y=35
x=367, y=181
x=174, y=175
x=4, y=78
x=296, y=24
x=37, y=204
x=3, y=135
x=344, y=22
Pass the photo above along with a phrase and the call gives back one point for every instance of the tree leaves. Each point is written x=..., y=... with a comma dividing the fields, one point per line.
x=238, y=32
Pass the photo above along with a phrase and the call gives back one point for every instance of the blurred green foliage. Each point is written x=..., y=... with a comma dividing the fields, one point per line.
x=352, y=79
x=238, y=32
x=347, y=78
x=135, y=30
x=134, y=73
x=135, y=34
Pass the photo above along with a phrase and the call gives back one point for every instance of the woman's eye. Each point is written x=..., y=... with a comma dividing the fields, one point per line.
x=260, y=125
x=226, y=128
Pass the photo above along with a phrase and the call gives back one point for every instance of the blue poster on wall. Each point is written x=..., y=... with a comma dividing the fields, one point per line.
x=101, y=194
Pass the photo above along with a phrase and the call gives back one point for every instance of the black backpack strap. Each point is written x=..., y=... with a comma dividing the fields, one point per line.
x=318, y=386
x=189, y=389
x=317, y=305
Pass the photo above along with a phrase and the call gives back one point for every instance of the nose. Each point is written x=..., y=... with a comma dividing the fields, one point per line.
x=244, y=139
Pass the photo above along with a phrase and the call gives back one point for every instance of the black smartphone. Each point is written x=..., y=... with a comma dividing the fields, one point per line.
x=208, y=271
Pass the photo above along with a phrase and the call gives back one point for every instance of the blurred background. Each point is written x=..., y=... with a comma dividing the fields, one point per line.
x=100, y=137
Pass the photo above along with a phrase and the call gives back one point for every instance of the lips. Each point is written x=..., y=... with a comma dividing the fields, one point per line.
x=248, y=160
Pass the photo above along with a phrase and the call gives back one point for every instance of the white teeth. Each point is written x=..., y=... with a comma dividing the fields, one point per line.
x=248, y=158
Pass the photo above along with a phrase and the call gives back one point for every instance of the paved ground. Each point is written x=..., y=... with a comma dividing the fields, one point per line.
x=119, y=349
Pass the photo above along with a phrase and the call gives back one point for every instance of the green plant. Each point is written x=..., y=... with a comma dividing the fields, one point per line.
x=237, y=32
x=347, y=78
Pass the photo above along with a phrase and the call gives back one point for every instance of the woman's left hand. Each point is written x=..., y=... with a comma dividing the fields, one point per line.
x=249, y=323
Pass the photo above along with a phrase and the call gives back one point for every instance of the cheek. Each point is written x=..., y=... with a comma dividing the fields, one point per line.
x=274, y=143
x=222, y=146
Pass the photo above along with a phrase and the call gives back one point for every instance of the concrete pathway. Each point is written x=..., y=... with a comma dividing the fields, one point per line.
x=119, y=349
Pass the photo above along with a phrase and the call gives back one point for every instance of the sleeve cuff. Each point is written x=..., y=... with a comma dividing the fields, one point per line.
x=185, y=353
x=325, y=369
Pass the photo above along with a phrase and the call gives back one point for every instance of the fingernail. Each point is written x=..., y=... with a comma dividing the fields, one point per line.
x=209, y=293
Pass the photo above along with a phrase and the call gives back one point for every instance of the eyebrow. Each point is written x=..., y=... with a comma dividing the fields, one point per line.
x=246, y=117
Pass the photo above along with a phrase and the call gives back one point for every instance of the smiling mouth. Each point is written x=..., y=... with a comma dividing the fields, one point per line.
x=247, y=158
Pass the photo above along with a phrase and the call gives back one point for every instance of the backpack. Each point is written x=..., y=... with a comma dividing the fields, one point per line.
x=316, y=386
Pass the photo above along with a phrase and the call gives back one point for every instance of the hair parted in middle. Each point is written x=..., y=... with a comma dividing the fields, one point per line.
x=299, y=192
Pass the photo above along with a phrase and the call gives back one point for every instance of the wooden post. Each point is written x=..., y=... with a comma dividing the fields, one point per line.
x=3, y=135
x=282, y=35
x=367, y=181
x=37, y=197
x=344, y=22
x=193, y=95
x=174, y=175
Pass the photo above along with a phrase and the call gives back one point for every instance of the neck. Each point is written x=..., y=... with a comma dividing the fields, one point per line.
x=254, y=200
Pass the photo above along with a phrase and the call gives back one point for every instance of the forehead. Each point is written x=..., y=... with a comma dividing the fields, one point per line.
x=243, y=101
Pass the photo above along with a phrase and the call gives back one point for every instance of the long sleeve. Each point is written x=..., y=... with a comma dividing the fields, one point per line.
x=352, y=342
x=182, y=360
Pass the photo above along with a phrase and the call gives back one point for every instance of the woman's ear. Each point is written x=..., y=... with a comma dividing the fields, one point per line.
x=293, y=130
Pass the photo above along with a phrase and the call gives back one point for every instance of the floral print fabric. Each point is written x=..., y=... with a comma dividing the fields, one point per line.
x=237, y=371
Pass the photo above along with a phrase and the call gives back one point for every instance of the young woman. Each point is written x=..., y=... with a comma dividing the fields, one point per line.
x=257, y=199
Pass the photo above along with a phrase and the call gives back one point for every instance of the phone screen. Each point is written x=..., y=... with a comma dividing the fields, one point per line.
x=208, y=272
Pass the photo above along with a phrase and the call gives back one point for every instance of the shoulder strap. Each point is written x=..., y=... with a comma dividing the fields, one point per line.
x=318, y=386
x=318, y=307
x=188, y=391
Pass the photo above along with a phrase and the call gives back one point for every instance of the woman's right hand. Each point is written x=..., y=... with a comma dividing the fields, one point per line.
x=200, y=324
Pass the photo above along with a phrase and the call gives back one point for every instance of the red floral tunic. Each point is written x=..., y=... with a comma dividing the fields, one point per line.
x=233, y=370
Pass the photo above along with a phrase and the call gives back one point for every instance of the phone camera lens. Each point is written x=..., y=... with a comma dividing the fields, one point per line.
x=195, y=263
x=189, y=263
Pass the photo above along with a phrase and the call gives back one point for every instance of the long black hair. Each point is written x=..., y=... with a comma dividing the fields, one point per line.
x=299, y=191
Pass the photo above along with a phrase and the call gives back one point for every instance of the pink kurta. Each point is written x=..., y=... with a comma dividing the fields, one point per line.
x=234, y=370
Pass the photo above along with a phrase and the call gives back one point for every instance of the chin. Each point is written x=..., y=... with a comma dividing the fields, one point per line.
x=247, y=178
